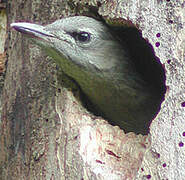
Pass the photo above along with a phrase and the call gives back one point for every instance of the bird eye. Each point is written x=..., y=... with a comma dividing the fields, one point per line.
x=83, y=37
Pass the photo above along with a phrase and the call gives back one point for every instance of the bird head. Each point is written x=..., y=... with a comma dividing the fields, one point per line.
x=86, y=42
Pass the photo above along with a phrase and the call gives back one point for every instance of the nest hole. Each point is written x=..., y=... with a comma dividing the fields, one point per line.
x=145, y=63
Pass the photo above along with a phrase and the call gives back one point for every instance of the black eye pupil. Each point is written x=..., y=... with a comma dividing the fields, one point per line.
x=83, y=37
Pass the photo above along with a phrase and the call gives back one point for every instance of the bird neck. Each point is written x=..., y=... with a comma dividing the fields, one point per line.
x=121, y=98
x=130, y=107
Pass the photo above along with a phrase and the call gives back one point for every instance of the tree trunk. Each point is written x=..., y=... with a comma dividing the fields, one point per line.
x=45, y=131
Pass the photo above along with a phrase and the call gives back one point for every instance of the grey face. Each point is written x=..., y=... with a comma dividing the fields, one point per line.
x=85, y=41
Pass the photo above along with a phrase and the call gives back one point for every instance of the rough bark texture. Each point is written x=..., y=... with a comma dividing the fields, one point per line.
x=3, y=24
x=45, y=131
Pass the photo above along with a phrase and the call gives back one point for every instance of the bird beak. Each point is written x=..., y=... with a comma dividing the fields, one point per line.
x=32, y=30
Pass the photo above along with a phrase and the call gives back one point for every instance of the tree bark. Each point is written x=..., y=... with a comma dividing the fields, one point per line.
x=46, y=133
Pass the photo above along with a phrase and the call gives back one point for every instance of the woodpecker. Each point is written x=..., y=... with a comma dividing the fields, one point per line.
x=87, y=51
